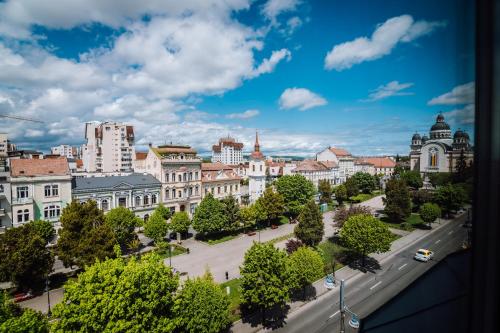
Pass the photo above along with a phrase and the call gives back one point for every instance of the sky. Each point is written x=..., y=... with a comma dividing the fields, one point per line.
x=362, y=75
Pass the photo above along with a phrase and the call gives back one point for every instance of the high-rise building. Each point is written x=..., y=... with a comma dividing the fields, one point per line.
x=227, y=151
x=109, y=147
x=256, y=172
x=66, y=150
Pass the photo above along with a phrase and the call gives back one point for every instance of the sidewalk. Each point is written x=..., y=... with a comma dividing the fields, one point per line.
x=347, y=273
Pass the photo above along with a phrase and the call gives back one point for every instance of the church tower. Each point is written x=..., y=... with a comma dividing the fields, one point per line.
x=256, y=172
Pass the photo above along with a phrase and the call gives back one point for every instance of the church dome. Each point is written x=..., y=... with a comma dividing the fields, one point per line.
x=459, y=134
x=425, y=138
x=440, y=126
x=416, y=136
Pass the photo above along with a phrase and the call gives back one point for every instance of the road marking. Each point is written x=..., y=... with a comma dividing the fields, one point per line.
x=450, y=232
x=437, y=241
x=375, y=285
x=403, y=266
x=334, y=314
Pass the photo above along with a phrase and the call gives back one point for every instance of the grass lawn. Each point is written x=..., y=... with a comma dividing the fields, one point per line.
x=281, y=238
x=234, y=297
x=283, y=220
x=413, y=222
x=362, y=197
x=332, y=251
x=220, y=239
x=176, y=250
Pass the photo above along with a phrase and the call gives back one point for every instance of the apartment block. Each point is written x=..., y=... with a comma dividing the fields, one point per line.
x=66, y=151
x=227, y=151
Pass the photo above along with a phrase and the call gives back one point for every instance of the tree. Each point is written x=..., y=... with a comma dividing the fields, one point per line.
x=123, y=222
x=429, y=212
x=310, y=229
x=365, y=182
x=272, y=203
x=325, y=190
x=24, y=258
x=296, y=191
x=253, y=214
x=232, y=213
x=265, y=278
x=420, y=197
x=209, y=216
x=293, y=245
x=306, y=266
x=201, y=306
x=13, y=319
x=163, y=211
x=341, y=194
x=365, y=234
x=412, y=179
x=45, y=229
x=450, y=197
x=180, y=223
x=397, y=200
x=343, y=214
x=440, y=178
x=351, y=186
x=133, y=296
x=84, y=236
x=156, y=227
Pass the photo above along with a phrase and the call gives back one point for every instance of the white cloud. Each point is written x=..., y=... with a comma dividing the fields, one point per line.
x=463, y=94
x=244, y=115
x=385, y=37
x=463, y=116
x=268, y=65
x=300, y=98
x=273, y=8
x=393, y=88
x=32, y=133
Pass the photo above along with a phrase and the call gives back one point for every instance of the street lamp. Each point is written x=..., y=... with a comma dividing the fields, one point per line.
x=354, y=321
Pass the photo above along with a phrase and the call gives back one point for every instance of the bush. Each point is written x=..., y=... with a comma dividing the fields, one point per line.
x=342, y=214
x=293, y=245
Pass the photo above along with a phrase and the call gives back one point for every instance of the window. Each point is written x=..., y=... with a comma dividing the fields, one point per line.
x=51, y=190
x=173, y=193
x=122, y=202
x=20, y=216
x=196, y=175
x=179, y=177
x=137, y=201
x=190, y=176
x=180, y=194
x=167, y=194
x=167, y=177
x=261, y=168
x=236, y=187
x=173, y=177
x=146, y=217
x=433, y=157
x=105, y=205
x=22, y=192
x=154, y=199
x=225, y=188
x=26, y=215
x=206, y=191
x=218, y=189
x=1, y=188
x=146, y=200
x=196, y=190
x=253, y=167
x=190, y=191
x=52, y=211
x=184, y=176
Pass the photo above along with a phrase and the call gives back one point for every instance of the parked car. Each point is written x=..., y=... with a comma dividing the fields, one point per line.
x=423, y=255
x=21, y=297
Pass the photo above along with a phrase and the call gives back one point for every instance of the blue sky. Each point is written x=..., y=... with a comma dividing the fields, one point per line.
x=363, y=75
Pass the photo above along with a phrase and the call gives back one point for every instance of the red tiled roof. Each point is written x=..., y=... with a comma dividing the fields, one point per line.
x=79, y=163
x=309, y=165
x=215, y=166
x=257, y=155
x=140, y=155
x=328, y=164
x=211, y=176
x=380, y=162
x=339, y=151
x=37, y=167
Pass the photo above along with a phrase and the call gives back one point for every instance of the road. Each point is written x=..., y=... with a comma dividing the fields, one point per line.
x=367, y=292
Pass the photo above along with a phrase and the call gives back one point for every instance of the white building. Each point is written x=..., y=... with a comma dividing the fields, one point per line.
x=5, y=148
x=376, y=165
x=109, y=147
x=227, y=151
x=256, y=172
x=342, y=158
x=5, y=200
x=441, y=152
x=41, y=188
x=315, y=171
x=66, y=150
x=220, y=180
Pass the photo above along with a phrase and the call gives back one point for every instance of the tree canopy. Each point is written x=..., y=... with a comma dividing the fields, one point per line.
x=429, y=212
x=412, y=179
x=232, y=213
x=272, y=203
x=420, y=197
x=296, y=191
x=365, y=182
x=325, y=190
x=24, y=258
x=351, y=186
x=123, y=222
x=13, y=319
x=310, y=229
x=450, y=197
x=209, y=216
x=253, y=214
x=306, y=266
x=341, y=194
x=397, y=200
x=156, y=227
x=45, y=229
x=119, y=295
x=180, y=222
x=342, y=214
x=84, y=236
x=163, y=211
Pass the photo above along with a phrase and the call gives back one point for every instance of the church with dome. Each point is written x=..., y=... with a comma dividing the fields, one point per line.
x=440, y=151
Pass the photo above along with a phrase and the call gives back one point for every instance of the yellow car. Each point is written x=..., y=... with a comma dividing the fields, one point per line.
x=423, y=255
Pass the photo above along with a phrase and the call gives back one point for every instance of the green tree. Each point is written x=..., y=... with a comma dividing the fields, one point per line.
x=180, y=222
x=429, y=212
x=209, y=216
x=156, y=227
x=351, y=186
x=341, y=194
x=296, y=191
x=325, y=190
x=343, y=214
x=119, y=295
x=440, y=178
x=397, y=200
x=24, y=258
x=450, y=197
x=253, y=214
x=123, y=222
x=232, y=213
x=201, y=306
x=306, y=266
x=461, y=168
x=365, y=234
x=13, y=319
x=310, y=229
x=163, y=211
x=412, y=179
x=365, y=182
x=272, y=203
x=45, y=229
x=84, y=236
x=420, y=197
x=265, y=277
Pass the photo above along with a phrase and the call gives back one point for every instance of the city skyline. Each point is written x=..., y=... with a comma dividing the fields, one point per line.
x=307, y=75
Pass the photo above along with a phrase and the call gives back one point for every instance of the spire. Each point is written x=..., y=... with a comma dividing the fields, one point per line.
x=256, y=146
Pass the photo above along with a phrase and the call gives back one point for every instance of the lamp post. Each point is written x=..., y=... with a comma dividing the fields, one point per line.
x=354, y=321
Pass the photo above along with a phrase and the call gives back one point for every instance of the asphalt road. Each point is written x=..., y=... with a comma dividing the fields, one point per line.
x=366, y=293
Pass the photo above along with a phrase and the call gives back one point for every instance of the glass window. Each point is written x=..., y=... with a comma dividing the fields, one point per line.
x=154, y=199
x=52, y=211
x=137, y=201
x=122, y=202
x=105, y=205
x=1, y=188
x=20, y=216
x=167, y=193
x=167, y=176
x=22, y=192
x=146, y=200
x=47, y=190
x=26, y=215
x=55, y=190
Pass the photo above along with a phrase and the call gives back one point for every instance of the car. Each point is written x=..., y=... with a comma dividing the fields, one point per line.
x=21, y=297
x=423, y=255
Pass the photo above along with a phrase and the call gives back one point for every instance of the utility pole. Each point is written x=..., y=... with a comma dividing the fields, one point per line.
x=342, y=307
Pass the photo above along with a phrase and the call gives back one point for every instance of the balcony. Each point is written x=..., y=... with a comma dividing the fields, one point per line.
x=2, y=212
x=22, y=201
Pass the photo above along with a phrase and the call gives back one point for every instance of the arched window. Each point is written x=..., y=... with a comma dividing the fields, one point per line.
x=167, y=193
x=137, y=201
x=154, y=199
x=146, y=200
x=26, y=215
x=52, y=211
x=20, y=216
x=433, y=157
x=105, y=205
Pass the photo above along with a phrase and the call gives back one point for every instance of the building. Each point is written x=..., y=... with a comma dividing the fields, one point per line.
x=377, y=165
x=138, y=192
x=109, y=147
x=227, y=151
x=5, y=200
x=343, y=159
x=256, y=172
x=441, y=151
x=178, y=168
x=139, y=163
x=67, y=151
x=220, y=180
x=41, y=188
x=362, y=166
x=315, y=171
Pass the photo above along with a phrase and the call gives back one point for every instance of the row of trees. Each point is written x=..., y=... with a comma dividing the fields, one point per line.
x=359, y=182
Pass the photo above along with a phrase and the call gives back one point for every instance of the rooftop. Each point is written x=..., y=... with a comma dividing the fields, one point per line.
x=39, y=167
x=110, y=182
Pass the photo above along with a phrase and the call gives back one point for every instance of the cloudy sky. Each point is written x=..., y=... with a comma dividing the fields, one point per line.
x=364, y=75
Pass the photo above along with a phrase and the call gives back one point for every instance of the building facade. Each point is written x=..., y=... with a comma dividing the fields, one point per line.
x=256, y=172
x=140, y=193
x=178, y=168
x=41, y=188
x=440, y=151
x=220, y=180
x=5, y=200
x=109, y=147
x=315, y=171
x=377, y=165
x=343, y=159
x=227, y=151
x=67, y=151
